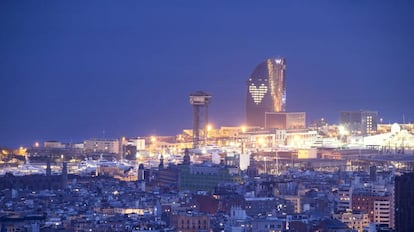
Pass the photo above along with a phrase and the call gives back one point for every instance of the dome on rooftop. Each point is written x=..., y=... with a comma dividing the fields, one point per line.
x=395, y=128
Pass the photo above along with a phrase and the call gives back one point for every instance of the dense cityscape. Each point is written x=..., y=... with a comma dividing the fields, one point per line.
x=207, y=116
x=276, y=172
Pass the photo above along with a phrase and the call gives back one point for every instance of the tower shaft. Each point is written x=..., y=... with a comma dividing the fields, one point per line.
x=199, y=100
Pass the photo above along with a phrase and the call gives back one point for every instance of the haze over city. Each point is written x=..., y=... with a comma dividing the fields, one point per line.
x=75, y=70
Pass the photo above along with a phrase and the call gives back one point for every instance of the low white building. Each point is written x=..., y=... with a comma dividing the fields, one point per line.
x=139, y=143
x=394, y=141
x=102, y=145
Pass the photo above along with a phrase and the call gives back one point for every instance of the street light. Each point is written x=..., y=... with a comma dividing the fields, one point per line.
x=261, y=141
x=153, y=139
x=209, y=127
x=342, y=130
x=153, y=145
x=243, y=129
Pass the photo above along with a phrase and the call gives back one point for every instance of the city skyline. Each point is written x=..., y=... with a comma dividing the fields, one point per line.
x=73, y=70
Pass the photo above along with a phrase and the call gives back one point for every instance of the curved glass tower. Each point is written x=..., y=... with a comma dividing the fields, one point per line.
x=266, y=91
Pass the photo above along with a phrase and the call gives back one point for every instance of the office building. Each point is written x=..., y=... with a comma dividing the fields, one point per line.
x=359, y=122
x=266, y=91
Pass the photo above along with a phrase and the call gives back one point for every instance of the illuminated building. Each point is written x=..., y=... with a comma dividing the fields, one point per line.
x=139, y=143
x=267, y=139
x=397, y=141
x=359, y=122
x=344, y=198
x=307, y=153
x=218, y=136
x=355, y=220
x=193, y=222
x=379, y=207
x=285, y=120
x=102, y=145
x=266, y=91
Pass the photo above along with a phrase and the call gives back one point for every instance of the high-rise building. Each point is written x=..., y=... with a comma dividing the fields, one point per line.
x=359, y=122
x=404, y=202
x=266, y=91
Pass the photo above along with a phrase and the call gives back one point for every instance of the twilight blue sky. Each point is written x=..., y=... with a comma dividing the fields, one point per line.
x=72, y=69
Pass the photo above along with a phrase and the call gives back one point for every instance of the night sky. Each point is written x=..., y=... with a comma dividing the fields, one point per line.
x=72, y=70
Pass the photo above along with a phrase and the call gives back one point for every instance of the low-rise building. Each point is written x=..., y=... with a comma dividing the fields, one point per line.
x=355, y=220
x=102, y=145
x=191, y=222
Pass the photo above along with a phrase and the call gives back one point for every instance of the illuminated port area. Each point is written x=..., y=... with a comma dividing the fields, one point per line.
x=277, y=176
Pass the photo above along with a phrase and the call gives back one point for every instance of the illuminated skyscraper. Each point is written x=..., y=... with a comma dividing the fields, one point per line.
x=266, y=91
